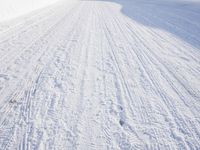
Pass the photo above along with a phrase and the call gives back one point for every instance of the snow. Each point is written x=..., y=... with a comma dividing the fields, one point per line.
x=10, y=9
x=118, y=74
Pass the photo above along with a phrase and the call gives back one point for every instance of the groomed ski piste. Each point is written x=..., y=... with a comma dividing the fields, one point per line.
x=102, y=75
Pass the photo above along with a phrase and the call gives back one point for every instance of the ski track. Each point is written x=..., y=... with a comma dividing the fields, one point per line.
x=86, y=76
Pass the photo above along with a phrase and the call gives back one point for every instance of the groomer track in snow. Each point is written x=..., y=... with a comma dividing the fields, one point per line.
x=102, y=75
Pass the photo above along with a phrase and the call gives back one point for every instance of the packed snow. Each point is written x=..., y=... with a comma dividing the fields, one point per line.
x=101, y=74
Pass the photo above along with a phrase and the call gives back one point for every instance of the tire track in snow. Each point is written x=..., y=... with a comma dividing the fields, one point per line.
x=99, y=80
x=35, y=74
x=50, y=144
x=137, y=52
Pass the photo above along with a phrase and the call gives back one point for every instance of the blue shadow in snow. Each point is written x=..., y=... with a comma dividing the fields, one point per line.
x=179, y=18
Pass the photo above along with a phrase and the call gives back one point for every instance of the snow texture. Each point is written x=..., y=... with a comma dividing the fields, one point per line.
x=121, y=74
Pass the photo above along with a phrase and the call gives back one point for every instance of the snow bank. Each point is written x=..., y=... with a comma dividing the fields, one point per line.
x=14, y=8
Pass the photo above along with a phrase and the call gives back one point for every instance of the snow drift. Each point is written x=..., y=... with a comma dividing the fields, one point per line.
x=13, y=8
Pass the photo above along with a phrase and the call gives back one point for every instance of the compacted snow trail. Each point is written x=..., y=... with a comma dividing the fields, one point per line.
x=102, y=75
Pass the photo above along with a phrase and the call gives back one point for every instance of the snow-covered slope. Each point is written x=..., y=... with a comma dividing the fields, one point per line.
x=121, y=74
x=10, y=9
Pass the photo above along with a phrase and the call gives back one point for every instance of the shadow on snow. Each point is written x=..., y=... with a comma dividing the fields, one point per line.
x=180, y=18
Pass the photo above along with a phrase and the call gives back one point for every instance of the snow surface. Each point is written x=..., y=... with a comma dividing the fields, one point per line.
x=10, y=9
x=121, y=74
